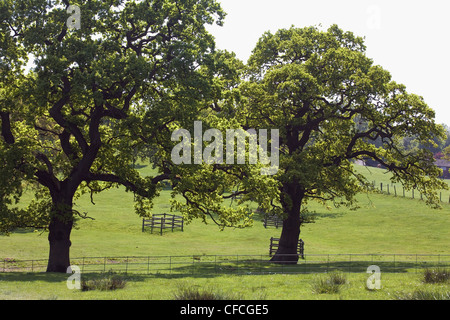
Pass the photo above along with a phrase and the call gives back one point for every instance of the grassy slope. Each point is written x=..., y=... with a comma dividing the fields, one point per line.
x=384, y=224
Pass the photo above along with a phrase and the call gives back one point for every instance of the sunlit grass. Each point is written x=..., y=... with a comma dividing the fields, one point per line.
x=384, y=224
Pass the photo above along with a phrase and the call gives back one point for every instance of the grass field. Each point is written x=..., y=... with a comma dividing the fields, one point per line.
x=383, y=225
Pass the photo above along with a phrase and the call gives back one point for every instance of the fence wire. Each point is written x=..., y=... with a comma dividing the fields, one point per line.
x=240, y=264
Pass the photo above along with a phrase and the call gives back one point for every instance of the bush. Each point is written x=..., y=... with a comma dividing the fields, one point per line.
x=437, y=275
x=423, y=295
x=331, y=284
x=190, y=293
x=106, y=283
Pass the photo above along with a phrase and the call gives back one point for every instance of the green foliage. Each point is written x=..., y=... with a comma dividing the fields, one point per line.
x=421, y=294
x=331, y=103
x=331, y=283
x=106, y=282
x=195, y=293
x=97, y=97
x=207, y=192
x=113, y=91
x=436, y=275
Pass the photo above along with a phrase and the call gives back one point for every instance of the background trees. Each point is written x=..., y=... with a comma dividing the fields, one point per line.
x=116, y=88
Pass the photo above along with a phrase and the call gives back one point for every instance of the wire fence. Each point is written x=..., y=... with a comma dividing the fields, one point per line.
x=397, y=190
x=240, y=264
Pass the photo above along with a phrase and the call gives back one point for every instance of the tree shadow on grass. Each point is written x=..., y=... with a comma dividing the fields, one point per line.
x=311, y=216
x=27, y=230
x=332, y=215
x=62, y=277
x=198, y=268
x=32, y=276
x=265, y=267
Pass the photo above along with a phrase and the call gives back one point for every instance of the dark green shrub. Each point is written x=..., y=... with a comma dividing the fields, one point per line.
x=436, y=275
x=330, y=284
x=106, y=283
x=420, y=294
x=195, y=293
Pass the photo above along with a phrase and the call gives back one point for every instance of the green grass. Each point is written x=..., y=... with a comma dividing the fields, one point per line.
x=381, y=181
x=383, y=225
x=270, y=287
x=330, y=283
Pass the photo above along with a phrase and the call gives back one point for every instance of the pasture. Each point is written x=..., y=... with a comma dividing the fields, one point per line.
x=384, y=225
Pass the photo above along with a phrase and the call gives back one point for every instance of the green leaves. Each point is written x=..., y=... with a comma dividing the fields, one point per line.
x=114, y=90
x=318, y=87
x=98, y=96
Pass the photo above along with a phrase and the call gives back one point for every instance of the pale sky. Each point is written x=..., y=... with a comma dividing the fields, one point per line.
x=410, y=39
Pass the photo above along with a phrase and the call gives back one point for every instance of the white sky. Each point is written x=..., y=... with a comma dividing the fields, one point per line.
x=410, y=39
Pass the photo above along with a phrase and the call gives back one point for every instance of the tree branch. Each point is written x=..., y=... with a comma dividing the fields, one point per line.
x=106, y=177
x=6, y=128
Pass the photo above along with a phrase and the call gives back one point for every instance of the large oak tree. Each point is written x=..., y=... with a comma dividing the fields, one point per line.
x=96, y=96
x=330, y=102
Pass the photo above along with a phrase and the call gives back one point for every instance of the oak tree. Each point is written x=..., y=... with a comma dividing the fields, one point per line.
x=101, y=90
x=330, y=103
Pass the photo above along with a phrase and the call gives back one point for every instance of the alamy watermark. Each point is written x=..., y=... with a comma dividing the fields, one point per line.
x=74, y=21
x=374, y=280
x=373, y=21
x=74, y=281
x=234, y=144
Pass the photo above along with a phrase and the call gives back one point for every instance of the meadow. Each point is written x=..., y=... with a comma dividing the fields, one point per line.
x=384, y=225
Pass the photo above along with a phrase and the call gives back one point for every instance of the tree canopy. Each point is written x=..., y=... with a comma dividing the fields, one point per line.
x=331, y=103
x=130, y=73
x=96, y=97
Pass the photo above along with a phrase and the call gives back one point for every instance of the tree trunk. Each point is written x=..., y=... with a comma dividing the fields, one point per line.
x=59, y=239
x=287, y=249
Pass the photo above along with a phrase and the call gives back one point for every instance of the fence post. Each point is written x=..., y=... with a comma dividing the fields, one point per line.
x=395, y=271
x=395, y=190
x=153, y=224
x=260, y=264
x=270, y=247
x=215, y=264
x=416, y=262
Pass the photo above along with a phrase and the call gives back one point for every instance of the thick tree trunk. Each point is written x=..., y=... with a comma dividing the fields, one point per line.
x=59, y=239
x=287, y=248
